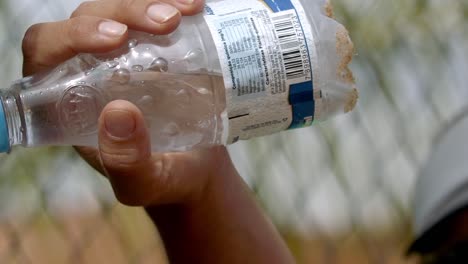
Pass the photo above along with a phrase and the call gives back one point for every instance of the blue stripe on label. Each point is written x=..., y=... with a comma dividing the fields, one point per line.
x=301, y=98
x=279, y=5
x=300, y=113
x=301, y=92
x=301, y=95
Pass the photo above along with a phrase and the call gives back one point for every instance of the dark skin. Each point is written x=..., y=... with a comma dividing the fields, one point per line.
x=204, y=211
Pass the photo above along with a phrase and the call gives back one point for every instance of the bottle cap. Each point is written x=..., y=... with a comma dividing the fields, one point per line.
x=4, y=137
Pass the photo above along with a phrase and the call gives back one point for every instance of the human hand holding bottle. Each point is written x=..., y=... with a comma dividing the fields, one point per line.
x=203, y=209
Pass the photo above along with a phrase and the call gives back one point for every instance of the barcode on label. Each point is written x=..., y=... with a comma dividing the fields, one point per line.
x=290, y=45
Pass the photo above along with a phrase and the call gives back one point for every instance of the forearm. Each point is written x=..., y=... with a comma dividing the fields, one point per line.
x=225, y=226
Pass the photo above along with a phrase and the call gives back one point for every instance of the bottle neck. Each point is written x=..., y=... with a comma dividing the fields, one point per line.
x=13, y=119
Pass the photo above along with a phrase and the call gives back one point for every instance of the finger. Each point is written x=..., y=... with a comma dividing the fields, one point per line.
x=125, y=152
x=48, y=44
x=139, y=177
x=143, y=15
x=187, y=7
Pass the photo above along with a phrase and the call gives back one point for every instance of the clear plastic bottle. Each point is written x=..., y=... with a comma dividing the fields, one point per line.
x=176, y=80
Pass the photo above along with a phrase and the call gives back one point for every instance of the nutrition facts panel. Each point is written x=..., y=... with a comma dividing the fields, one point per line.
x=263, y=50
x=253, y=54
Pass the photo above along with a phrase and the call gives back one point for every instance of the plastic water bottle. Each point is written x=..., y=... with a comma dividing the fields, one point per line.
x=239, y=70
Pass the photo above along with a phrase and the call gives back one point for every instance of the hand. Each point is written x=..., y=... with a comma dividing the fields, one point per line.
x=203, y=210
x=138, y=176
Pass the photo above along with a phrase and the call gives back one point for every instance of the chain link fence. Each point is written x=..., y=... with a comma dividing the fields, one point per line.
x=339, y=191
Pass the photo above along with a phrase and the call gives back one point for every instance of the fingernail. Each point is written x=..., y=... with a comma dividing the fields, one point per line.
x=119, y=124
x=161, y=13
x=112, y=29
x=186, y=2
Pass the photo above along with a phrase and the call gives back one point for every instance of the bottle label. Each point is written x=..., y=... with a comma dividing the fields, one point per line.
x=267, y=54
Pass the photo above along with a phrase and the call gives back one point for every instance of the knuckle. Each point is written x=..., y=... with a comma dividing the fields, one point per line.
x=128, y=3
x=121, y=159
x=82, y=9
x=77, y=28
x=30, y=39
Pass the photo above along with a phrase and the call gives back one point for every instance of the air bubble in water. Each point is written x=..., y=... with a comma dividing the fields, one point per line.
x=137, y=68
x=159, y=65
x=121, y=76
x=132, y=43
x=112, y=64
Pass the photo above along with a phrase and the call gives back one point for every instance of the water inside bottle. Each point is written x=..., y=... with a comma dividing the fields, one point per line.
x=182, y=111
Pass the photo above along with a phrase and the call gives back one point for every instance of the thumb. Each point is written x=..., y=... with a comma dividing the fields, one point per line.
x=125, y=153
x=142, y=178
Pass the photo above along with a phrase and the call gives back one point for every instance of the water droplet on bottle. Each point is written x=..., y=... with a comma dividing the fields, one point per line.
x=137, y=68
x=132, y=43
x=81, y=82
x=88, y=72
x=146, y=99
x=121, y=76
x=171, y=129
x=41, y=92
x=159, y=65
x=124, y=59
x=204, y=123
x=202, y=90
x=112, y=64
